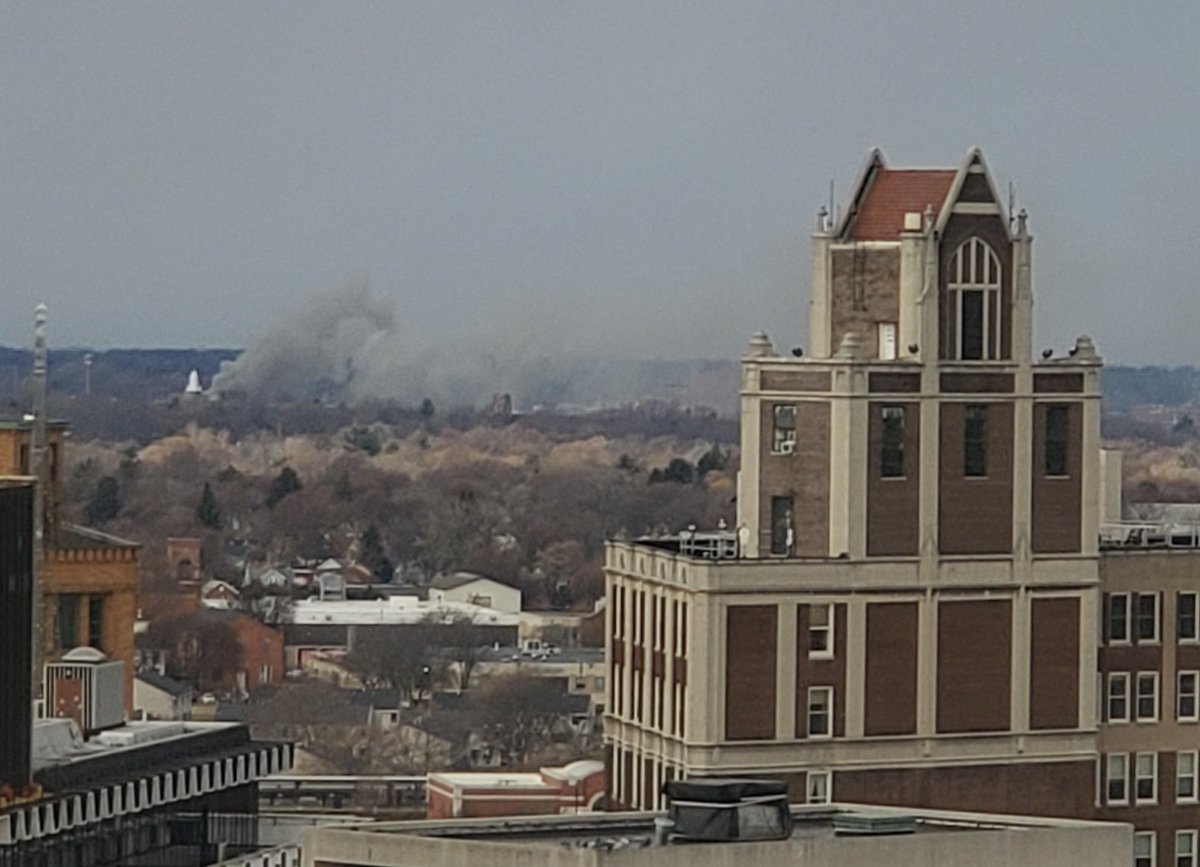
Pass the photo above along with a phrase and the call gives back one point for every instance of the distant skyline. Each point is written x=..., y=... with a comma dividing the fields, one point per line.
x=631, y=179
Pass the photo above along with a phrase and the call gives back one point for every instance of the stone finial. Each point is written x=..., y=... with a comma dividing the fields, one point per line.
x=851, y=347
x=1085, y=349
x=760, y=346
x=822, y=219
x=929, y=215
x=1022, y=223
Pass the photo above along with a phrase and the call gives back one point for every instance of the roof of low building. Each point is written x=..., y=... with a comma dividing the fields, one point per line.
x=458, y=579
x=161, y=682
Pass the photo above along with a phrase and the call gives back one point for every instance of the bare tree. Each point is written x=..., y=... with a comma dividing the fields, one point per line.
x=463, y=642
x=201, y=648
x=517, y=714
x=404, y=658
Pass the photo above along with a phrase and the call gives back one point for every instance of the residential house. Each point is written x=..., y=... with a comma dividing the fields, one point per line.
x=472, y=589
x=156, y=696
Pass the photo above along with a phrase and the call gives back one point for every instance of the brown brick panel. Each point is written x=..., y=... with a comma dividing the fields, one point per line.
x=1057, y=383
x=894, y=383
x=864, y=290
x=803, y=476
x=893, y=504
x=821, y=672
x=680, y=670
x=795, y=380
x=658, y=664
x=975, y=188
x=627, y=787
x=975, y=514
x=891, y=681
x=991, y=229
x=750, y=660
x=1057, y=500
x=1187, y=657
x=1062, y=789
x=648, y=792
x=974, y=666
x=977, y=383
x=1054, y=664
x=1131, y=658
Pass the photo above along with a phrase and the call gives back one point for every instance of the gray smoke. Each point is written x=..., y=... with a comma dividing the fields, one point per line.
x=348, y=345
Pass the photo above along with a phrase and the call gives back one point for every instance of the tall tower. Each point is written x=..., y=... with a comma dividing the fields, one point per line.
x=912, y=615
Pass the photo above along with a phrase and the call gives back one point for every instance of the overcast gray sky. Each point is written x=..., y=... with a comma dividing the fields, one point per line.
x=637, y=178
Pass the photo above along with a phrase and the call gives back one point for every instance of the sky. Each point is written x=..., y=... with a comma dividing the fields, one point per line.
x=611, y=178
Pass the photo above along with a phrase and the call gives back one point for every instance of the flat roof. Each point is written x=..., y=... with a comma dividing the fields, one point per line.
x=635, y=829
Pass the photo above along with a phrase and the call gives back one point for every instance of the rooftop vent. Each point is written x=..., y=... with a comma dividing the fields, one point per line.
x=873, y=824
x=729, y=809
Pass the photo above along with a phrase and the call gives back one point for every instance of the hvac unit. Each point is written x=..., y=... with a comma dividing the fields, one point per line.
x=88, y=687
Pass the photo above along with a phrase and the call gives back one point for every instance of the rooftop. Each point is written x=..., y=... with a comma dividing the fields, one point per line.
x=395, y=610
x=826, y=835
x=896, y=192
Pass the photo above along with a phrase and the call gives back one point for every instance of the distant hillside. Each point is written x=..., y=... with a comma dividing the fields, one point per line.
x=571, y=383
x=125, y=373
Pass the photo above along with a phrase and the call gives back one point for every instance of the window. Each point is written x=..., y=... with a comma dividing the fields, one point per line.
x=1147, y=617
x=69, y=605
x=1055, y=455
x=974, y=294
x=1117, y=778
x=781, y=526
x=1185, y=849
x=1118, y=618
x=1185, y=696
x=817, y=787
x=891, y=453
x=887, y=341
x=1143, y=849
x=1147, y=696
x=1185, y=616
x=1185, y=777
x=95, y=621
x=820, y=630
x=1145, y=790
x=264, y=674
x=783, y=438
x=975, y=441
x=820, y=706
x=1118, y=697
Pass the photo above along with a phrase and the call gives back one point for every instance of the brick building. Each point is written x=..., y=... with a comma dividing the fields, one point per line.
x=910, y=609
x=89, y=578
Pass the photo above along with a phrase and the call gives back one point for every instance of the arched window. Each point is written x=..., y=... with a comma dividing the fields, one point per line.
x=975, y=300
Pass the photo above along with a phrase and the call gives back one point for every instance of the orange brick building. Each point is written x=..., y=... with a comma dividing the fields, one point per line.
x=89, y=578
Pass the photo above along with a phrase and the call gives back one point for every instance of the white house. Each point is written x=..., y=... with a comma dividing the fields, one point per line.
x=161, y=697
x=475, y=589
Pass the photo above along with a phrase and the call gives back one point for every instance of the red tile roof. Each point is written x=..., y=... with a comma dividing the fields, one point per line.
x=894, y=193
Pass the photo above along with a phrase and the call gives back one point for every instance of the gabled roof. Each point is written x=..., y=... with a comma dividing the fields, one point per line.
x=161, y=682
x=458, y=579
x=882, y=196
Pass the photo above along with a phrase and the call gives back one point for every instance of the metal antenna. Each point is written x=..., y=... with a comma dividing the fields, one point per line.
x=1012, y=200
x=38, y=470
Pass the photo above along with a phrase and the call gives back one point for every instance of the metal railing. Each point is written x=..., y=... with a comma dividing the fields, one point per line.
x=1148, y=534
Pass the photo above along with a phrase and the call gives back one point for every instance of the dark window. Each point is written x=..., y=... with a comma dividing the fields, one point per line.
x=975, y=441
x=96, y=621
x=24, y=459
x=783, y=439
x=1186, y=626
x=1118, y=617
x=68, y=621
x=1147, y=617
x=891, y=457
x=781, y=525
x=1056, y=441
x=972, y=324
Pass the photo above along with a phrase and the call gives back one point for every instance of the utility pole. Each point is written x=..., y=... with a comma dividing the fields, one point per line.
x=87, y=373
x=38, y=469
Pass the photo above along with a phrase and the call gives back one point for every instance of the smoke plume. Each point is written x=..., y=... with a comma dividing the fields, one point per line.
x=348, y=345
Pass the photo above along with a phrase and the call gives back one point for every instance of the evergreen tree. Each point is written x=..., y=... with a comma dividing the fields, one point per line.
x=427, y=408
x=342, y=489
x=209, y=512
x=287, y=482
x=373, y=555
x=105, y=502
